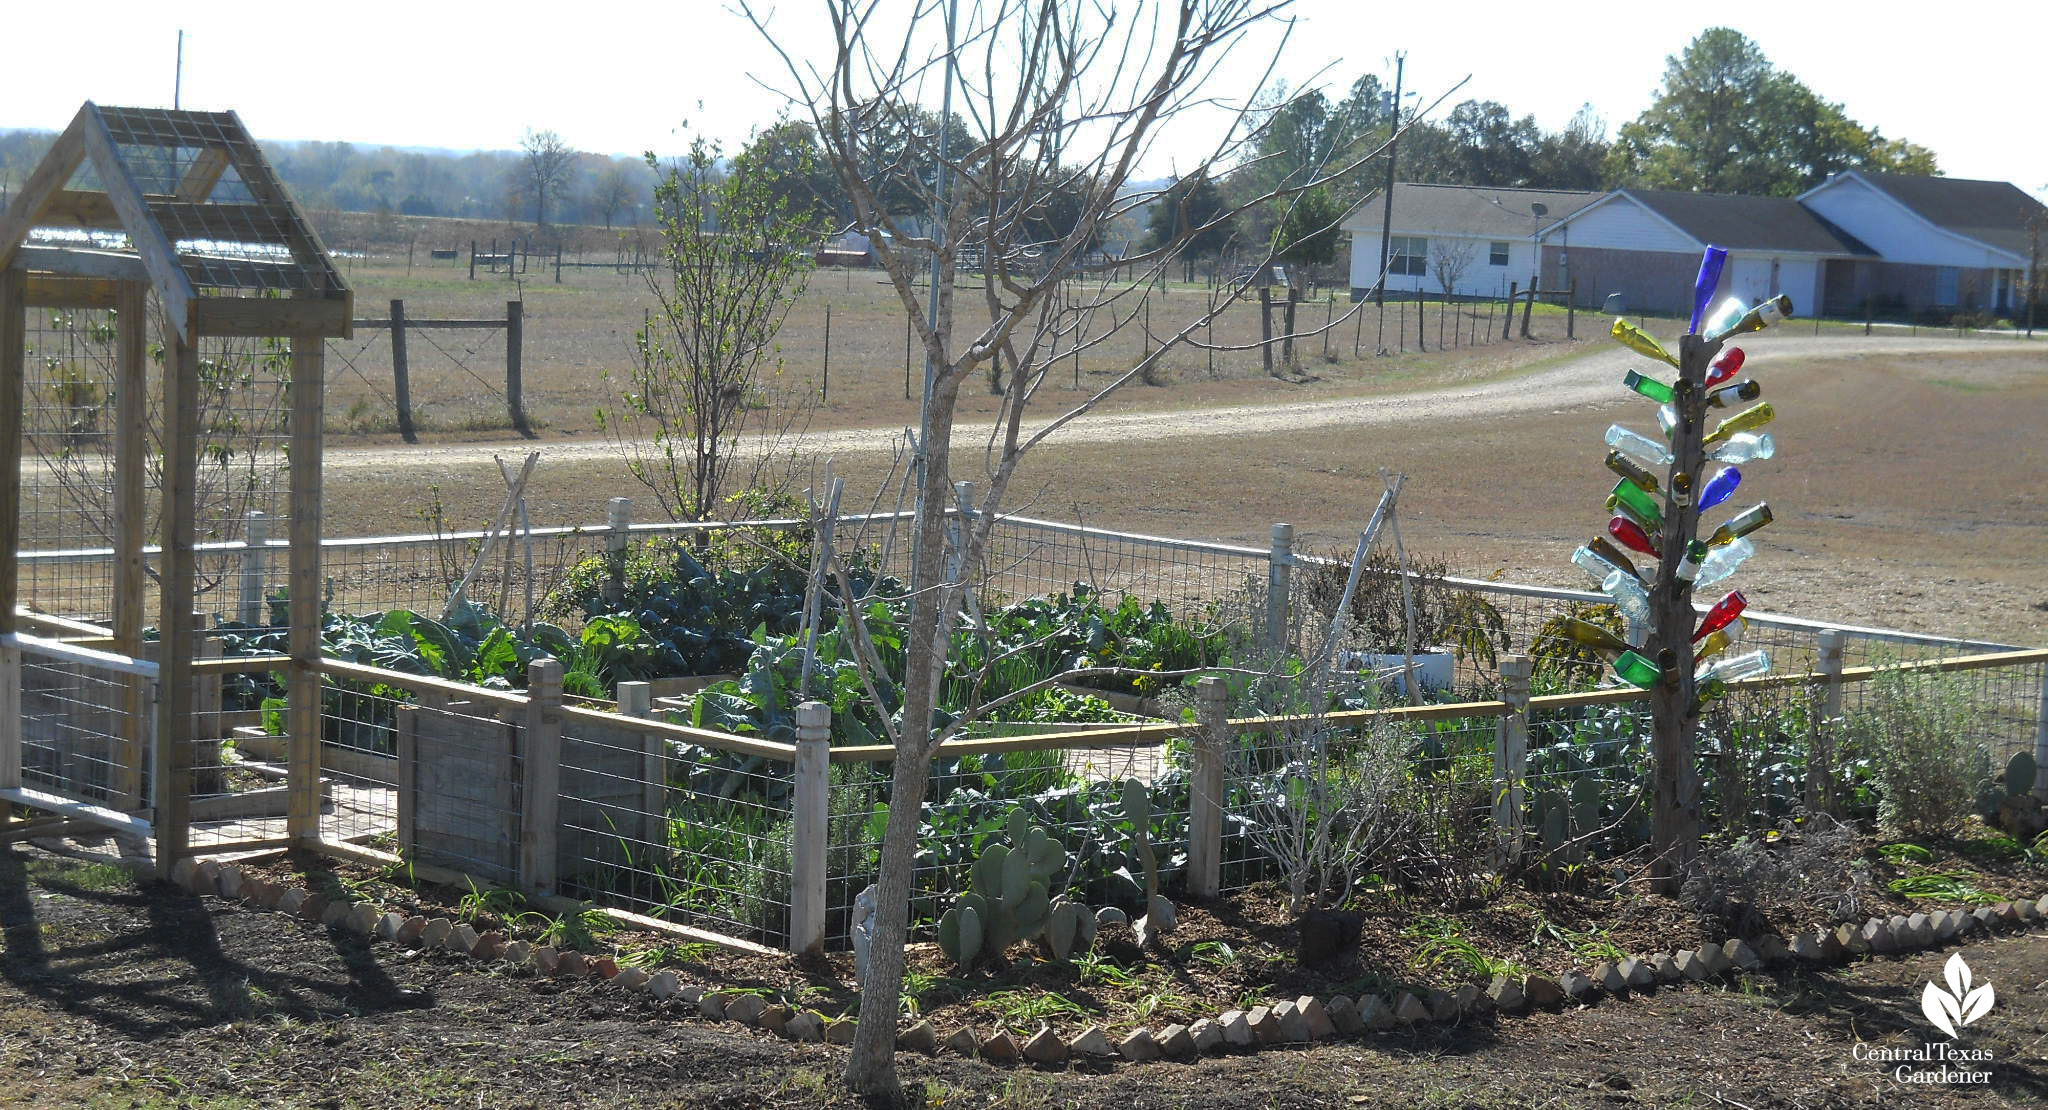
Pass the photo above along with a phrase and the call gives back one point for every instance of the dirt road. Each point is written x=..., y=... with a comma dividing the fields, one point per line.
x=1584, y=380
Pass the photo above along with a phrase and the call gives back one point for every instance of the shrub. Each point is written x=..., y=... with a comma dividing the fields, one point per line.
x=1808, y=864
x=1927, y=759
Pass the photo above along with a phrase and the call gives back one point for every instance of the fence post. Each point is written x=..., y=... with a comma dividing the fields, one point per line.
x=558, y=263
x=472, y=260
x=1820, y=772
x=541, y=757
x=255, y=556
x=619, y=517
x=1279, y=579
x=1507, y=324
x=2041, y=741
x=636, y=699
x=1205, y=794
x=515, y=334
x=812, y=802
x=825, y=377
x=1266, y=327
x=401, y=377
x=1511, y=757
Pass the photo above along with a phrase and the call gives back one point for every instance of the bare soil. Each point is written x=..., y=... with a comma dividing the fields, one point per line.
x=119, y=995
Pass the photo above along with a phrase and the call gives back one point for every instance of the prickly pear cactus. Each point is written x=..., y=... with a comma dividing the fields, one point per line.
x=1009, y=897
x=2019, y=774
x=1159, y=916
x=1070, y=928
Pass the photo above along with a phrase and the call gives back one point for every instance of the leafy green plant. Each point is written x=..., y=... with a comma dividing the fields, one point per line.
x=1920, y=731
x=495, y=902
x=1944, y=886
x=1904, y=852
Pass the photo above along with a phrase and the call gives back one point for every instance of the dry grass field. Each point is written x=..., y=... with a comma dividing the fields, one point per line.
x=1908, y=487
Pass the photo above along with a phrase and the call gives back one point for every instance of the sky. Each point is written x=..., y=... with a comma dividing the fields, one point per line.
x=620, y=78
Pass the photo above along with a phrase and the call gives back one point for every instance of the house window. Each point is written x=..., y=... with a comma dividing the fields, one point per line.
x=1946, y=280
x=1497, y=254
x=1408, y=254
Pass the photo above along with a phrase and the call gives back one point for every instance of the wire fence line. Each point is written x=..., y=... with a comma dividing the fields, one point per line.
x=771, y=842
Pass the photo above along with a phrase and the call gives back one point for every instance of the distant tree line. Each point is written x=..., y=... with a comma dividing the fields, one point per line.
x=1725, y=121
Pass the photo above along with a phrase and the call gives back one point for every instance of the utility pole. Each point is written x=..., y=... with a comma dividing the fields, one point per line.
x=1387, y=204
x=178, y=75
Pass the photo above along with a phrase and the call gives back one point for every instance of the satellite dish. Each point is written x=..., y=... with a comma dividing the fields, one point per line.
x=1538, y=208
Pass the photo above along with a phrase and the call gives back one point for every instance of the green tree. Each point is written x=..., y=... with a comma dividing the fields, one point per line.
x=738, y=255
x=1308, y=228
x=1727, y=121
x=795, y=173
x=1182, y=213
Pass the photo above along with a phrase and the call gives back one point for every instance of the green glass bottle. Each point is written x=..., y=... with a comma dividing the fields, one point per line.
x=1632, y=470
x=1629, y=498
x=1637, y=671
x=1641, y=342
x=1748, y=420
x=1741, y=524
x=1649, y=387
x=1689, y=564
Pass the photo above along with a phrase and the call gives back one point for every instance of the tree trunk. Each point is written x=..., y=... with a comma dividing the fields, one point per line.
x=1675, y=812
x=871, y=1067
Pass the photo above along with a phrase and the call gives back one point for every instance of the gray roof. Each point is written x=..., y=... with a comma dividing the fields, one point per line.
x=1749, y=223
x=1477, y=210
x=1991, y=212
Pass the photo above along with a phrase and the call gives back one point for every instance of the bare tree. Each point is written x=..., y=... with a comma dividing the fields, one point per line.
x=546, y=169
x=612, y=191
x=1448, y=260
x=738, y=256
x=1057, y=104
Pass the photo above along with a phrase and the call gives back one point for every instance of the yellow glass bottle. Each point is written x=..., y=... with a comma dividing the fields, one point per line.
x=1748, y=420
x=1640, y=341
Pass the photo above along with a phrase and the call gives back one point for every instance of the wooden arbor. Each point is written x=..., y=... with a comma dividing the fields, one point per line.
x=131, y=203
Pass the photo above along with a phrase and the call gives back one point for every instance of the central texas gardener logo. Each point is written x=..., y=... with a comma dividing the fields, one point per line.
x=1959, y=1005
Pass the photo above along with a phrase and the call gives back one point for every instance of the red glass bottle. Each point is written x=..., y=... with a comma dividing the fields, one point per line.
x=1724, y=611
x=1632, y=536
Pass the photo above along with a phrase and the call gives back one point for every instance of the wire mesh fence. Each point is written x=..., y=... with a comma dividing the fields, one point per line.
x=680, y=832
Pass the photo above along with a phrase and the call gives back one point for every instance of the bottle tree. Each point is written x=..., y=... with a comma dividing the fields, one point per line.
x=1664, y=488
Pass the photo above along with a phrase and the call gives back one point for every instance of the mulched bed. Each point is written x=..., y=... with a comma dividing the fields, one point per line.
x=1232, y=953
x=114, y=995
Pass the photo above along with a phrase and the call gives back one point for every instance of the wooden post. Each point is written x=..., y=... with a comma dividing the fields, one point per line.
x=1205, y=789
x=2041, y=741
x=825, y=377
x=1675, y=813
x=208, y=776
x=906, y=356
x=558, y=263
x=303, y=724
x=131, y=522
x=1507, y=324
x=636, y=699
x=401, y=374
x=1266, y=327
x=13, y=374
x=811, y=802
x=472, y=260
x=1329, y=318
x=1511, y=758
x=1358, y=329
x=1528, y=308
x=619, y=518
x=173, y=783
x=1422, y=319
x=1820, y=770
x=1279, y=579
x=1287, y=333
x=494, y=256
x=540, y=752
x=251, y=572
x=515, y=337
x=1571, y=308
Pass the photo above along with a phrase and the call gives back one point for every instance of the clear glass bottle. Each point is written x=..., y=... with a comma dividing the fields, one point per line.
x=1722, y=561
x=1744, y=447
x=1639, y=445
x=1629, y=596
x=1756, y=319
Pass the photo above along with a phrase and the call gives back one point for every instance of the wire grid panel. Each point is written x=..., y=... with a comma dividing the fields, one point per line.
x=1408, y=794
x=515, y=577
x=1027, y=557
x=1076, y=794
x=434, y=779
x=86, y=730
x=67, y=490
x=1585, y=778
x=675, y=831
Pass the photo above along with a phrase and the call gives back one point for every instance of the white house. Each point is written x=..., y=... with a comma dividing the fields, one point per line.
x=1645, y=244
x=1480, y=238
x=1888, y=244
x=1940, y=241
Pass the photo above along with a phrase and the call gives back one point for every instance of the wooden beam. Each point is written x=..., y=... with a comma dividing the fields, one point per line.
x=13, y=370
x=80, y=208
x=262, y=183
x=131, y=579
x=50, y=175
x=81, y=262
x=302, y=724
x=53, y=291
x=173, y=785
x=308, y=317
x=173, y=288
